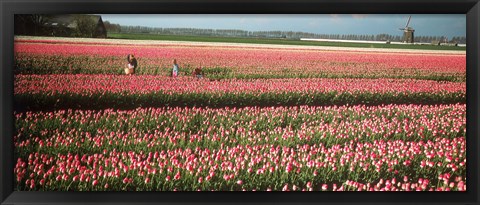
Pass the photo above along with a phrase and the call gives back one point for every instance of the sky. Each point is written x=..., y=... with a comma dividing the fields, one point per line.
x=448, y=25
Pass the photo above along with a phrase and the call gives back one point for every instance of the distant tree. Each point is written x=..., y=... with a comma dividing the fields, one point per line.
x=31, y=24
x=39, y=21
x=114, y=28
x=85, y=26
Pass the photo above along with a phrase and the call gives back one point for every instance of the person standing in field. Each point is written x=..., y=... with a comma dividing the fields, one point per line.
x=132, y=64
x=175, y=68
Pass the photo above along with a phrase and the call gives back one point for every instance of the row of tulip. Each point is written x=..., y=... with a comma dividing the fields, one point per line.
x=43, y=92
x=88, y=84
x=212, y=56
x=64, y=58
x=365, y=148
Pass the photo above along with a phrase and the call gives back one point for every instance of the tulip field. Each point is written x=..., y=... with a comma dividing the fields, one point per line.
x=261, y=119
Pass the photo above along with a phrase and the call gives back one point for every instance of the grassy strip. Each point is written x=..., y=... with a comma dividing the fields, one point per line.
x=275, y=41
x=160, y=99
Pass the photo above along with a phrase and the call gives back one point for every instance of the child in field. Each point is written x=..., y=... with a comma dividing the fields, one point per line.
x=132, y=64
x=175, y=68
x=198, y=73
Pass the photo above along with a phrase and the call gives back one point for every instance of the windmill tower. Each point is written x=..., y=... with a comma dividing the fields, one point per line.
x=408, y=32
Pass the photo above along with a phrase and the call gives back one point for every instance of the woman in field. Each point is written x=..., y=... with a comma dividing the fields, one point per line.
x=132, y=64
x=175, y=68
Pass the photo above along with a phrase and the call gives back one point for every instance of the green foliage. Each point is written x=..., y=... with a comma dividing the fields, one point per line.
x=85, y=26
x=161, y=99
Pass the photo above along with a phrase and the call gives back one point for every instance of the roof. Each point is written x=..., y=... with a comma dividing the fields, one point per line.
x=67, y=20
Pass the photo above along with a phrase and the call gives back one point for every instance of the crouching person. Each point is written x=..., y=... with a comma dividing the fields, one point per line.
x=132, y=65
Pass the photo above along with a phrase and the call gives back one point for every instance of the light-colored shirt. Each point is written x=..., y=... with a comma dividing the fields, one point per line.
x=175, y=68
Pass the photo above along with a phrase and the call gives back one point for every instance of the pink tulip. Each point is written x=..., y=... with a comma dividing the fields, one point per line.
x=324, y=187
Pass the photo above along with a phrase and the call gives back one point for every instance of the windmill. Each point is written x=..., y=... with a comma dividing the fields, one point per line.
x=408, y=32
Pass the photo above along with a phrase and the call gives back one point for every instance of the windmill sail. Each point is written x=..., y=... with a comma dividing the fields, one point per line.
x=408, y=22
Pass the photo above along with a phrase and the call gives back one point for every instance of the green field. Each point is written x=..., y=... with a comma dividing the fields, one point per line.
x=274, y=41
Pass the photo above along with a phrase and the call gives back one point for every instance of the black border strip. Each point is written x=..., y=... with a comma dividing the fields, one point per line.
x=241, y=7
x=10, y=7
x=473, y=102
x=6, y=104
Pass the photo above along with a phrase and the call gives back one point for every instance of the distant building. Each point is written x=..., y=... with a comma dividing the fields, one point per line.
x=59, y=25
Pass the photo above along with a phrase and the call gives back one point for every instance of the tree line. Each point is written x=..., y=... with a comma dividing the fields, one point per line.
x=275, y=34
x=111, y=27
